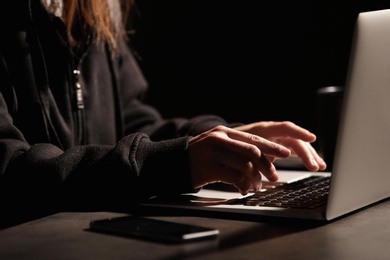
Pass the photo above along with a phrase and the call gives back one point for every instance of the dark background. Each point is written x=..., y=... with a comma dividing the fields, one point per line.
x=246, y=60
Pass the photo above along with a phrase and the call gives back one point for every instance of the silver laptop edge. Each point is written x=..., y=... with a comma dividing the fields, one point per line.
x=362, y=155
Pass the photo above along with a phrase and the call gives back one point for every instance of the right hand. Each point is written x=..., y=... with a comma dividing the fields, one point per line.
x=234, y=157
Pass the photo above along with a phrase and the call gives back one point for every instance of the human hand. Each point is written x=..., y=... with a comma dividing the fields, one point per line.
x=294, y=137
x=236, y=157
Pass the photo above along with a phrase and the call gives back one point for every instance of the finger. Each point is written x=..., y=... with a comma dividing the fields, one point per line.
x=307, y=153
x=249, y=147
x=235, y=178
x=266, y=146
x=252, y=167
x=244, y=166
x=289, y=129
x=321, y=163
x=268, y=169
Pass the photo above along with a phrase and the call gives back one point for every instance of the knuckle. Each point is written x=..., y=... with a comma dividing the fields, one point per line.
x=247, y=166
x=255, y=138
x=219, y=128
x=287, y=124
x=217, y=133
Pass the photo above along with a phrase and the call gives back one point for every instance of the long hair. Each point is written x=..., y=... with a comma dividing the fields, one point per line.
x=106, y=18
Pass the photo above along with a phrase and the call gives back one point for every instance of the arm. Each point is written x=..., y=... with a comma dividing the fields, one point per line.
x=40, y=176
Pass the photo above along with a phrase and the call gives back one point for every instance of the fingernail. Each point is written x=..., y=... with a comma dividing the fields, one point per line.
x=314, y=162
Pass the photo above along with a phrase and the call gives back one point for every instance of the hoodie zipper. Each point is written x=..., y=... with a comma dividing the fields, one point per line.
x=78, y=95
x=78, y=90
x=79, y=106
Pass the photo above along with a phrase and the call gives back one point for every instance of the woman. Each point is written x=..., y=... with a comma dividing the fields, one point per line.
x=75, y=134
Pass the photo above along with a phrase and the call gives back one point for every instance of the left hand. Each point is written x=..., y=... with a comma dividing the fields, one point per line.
x=290, y=135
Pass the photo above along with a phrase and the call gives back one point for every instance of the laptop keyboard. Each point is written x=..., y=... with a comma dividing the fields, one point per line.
x=311, y=192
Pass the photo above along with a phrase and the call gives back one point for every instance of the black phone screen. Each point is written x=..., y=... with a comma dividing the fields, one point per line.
x=153, y=229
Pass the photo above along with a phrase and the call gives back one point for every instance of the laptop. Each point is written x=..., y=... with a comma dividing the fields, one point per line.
x=360, y=175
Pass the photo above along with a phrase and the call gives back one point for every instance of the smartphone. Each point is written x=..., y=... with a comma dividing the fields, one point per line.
x=152, y=229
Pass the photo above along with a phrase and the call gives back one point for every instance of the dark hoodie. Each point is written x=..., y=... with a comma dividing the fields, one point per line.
x=95, y=148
